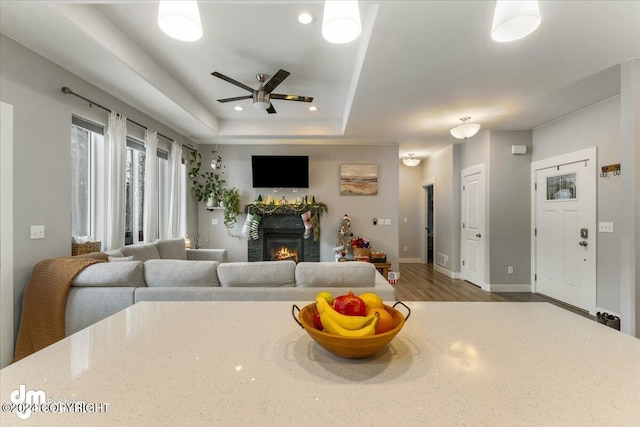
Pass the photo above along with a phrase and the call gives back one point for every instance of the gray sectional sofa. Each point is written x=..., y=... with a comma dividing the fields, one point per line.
x=165, y=271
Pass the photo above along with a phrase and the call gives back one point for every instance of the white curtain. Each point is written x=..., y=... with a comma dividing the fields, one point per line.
x=116, y=163
x=150, y=215
x=175, y=166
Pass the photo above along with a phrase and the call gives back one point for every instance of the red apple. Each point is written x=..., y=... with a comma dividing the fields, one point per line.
x=316, y=320
x=350, y=305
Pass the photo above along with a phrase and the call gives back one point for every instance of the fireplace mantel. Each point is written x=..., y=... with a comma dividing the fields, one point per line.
x=285, y=209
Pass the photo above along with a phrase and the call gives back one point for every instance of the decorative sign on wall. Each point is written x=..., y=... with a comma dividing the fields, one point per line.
x=358, y=180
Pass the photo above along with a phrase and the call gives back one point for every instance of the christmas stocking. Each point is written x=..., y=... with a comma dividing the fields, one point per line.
x=254, y=226
x=315, y=223
x=246, y=228
x=308, y=228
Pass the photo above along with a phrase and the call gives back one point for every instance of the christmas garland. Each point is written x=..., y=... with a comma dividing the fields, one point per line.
x=285, y=209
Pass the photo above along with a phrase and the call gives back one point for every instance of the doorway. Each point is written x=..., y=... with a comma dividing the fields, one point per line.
x=429, y=222
x=564, y=222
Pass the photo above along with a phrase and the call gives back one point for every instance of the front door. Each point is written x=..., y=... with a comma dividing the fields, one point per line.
x=565, y=233
x=473, y=226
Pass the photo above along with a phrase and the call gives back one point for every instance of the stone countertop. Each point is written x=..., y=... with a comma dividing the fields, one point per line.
x=249, y=363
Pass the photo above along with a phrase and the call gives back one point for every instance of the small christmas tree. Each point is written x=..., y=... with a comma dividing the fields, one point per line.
x=343, y=238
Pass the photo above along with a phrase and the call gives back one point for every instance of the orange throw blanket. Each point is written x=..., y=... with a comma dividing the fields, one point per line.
x=45, y=302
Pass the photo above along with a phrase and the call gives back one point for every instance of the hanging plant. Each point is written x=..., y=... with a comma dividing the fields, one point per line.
x=206, y=185
x=231, y=201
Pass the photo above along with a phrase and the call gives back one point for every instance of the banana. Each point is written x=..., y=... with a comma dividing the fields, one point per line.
x=351, y=323
x=332, y=327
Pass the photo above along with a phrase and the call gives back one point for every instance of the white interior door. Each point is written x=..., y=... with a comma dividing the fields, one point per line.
x=565, y=234
x=6, y=234
x=473, y=225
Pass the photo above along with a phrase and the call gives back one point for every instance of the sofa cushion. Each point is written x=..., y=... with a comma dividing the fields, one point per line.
x=121, y=258
x=335, y=274
x=113, y=274
x=177, y=273
x=257, y=274
x=142, y=251
x=172, y=249
x=114, y=253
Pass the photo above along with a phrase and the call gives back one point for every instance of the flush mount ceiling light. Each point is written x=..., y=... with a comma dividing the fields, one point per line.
x=313, y=108
x=180, y=20
x=411, y=161
x=238, y=108
x=305, y=18
x=514, y=19
x=341, y=21
x=466, y=129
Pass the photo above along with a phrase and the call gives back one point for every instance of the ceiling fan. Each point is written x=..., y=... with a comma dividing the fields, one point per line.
x=262, y=96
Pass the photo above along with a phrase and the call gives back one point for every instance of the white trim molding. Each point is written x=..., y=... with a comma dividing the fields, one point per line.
x=450, y=274
x=510, y=288
x=410, y=261
x=6, y=235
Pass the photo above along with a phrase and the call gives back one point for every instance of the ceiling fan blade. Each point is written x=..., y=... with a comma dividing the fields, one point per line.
x=237, y=98
x=291, y=97
x=275, y=80
x=271, y=110
x=232, y=81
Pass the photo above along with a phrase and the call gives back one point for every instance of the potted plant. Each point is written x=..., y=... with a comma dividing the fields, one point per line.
x=231, y=201
x=207, y=186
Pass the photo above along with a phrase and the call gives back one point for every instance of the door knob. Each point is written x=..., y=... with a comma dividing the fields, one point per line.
x=478, y=235
x=584, y=243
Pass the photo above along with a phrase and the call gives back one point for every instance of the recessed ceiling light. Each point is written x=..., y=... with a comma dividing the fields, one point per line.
x=238, y=108
x=313, y=108
x=305, y=18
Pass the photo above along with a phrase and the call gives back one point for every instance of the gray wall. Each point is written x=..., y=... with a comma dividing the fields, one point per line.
x=596, y=126
x=510, y=208
x=444, y=166
x=411, y=206
x=324, y=171
x=42, y=147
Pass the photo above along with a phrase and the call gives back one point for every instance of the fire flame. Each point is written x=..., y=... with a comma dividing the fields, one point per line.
x=284, y=253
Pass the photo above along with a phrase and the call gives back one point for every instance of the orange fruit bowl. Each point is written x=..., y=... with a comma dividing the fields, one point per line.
x=350, y=347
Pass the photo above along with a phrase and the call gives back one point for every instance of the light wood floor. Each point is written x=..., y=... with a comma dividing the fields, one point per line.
x=420, y=282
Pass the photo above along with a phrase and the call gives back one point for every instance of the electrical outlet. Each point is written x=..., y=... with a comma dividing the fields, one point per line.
x=405, y=220
x=510, y=269
x=405, y=249
x=214, y=221
x=606, y=227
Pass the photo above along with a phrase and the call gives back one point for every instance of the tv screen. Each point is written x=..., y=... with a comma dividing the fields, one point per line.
x=280, y=171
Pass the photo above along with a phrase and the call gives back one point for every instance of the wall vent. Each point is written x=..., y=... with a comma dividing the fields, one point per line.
x=441, y=259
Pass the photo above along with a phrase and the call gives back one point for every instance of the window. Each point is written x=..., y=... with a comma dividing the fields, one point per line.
x=88, y=185
x=134, y=181
x=86, y=155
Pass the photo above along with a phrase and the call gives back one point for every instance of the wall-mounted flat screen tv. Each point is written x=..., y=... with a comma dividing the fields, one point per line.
x=280, y=171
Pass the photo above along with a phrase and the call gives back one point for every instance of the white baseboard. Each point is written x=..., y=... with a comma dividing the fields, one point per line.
x=448, y=273
x=410, y=260
x=602, y=310
x=510, y=288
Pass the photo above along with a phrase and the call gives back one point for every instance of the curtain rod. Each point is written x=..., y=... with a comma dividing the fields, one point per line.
x=68, y=91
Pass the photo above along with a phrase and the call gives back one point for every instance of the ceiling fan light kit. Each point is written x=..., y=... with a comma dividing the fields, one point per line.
x=263, y=95
x=341, y=21
x=411, y=161
x=466, y=129
x=180, y=20
x=514, y=19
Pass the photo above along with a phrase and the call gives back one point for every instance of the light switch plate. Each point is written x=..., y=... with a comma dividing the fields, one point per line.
x=37, y=232
x=387, y=221
x=214, y=221
x=605, y=227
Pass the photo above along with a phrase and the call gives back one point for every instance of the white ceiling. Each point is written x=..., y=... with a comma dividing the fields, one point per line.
x=415, y=70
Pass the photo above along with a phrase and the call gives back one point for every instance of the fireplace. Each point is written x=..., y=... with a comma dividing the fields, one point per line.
x=282, y=246
x=280, y=237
